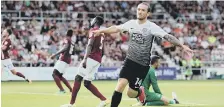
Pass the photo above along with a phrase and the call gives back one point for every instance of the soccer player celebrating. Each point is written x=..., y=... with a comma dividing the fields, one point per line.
x=63, y=62
x=6, y=61
x=155, y=98
x=90, y=64
x=142, y=33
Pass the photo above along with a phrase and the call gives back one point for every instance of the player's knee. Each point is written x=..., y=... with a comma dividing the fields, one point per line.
x=121, y=85
x=78, y=78
x=57, y=73
x=131, y=94
x=13, y=72
x=87, y=83
x=53, y=74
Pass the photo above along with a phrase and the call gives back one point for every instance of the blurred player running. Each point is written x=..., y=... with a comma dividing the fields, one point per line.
x=63, y=62
x=155, y=98
x=90, y=65
x=142, y=33
x=5, y=58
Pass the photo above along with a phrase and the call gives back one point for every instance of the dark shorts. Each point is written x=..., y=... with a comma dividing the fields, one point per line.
x=135, y=73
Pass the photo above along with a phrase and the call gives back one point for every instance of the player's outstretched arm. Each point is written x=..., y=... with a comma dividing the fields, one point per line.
x=60, y=51
x=159, y=32
x=110, y=30
x=175, y=41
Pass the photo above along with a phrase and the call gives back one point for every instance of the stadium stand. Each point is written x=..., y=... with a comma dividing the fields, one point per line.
x=39, y=26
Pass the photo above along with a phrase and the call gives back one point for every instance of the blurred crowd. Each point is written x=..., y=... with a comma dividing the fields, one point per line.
x=196, y=10
x=33, y=8
x=205, y=38
x=82, y=6
x=35, y=41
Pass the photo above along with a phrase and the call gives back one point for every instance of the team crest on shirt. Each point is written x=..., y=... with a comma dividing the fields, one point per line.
x=144, y=30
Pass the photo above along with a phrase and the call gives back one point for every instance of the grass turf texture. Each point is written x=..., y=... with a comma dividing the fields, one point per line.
x=208, y=93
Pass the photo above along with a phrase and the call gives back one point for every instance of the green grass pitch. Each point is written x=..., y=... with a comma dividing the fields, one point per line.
x=208, y=93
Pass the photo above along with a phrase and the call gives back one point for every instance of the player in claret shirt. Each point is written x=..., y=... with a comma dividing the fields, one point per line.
x=5, y=58
x=63, y=62
x=90, y=65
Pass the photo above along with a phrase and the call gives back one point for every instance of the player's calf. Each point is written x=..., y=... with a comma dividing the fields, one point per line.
x=20, y=75
x=65, y=81
x=76, y=87
x=117, y=95
x=17, y=73
x=57, y=75
x=94, y=90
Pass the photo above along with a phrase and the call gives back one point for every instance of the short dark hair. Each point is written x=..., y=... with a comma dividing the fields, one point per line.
x=9, y=31
x=147, y=4
x=53, y=27
x=100, y=20
x=154, y=59
x=69, y=33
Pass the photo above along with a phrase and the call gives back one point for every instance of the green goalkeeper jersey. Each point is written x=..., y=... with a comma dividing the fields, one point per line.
x=151, y=79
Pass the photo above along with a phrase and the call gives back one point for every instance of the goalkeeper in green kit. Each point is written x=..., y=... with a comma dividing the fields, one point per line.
x=155, y=98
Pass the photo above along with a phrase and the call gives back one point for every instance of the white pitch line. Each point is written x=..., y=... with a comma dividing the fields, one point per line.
x=51, y=94
x=127, y=99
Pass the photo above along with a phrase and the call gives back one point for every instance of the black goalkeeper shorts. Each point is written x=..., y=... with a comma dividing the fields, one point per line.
x=134, y=72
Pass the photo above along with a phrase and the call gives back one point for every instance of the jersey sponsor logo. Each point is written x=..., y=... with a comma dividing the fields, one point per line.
x=138, y=38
